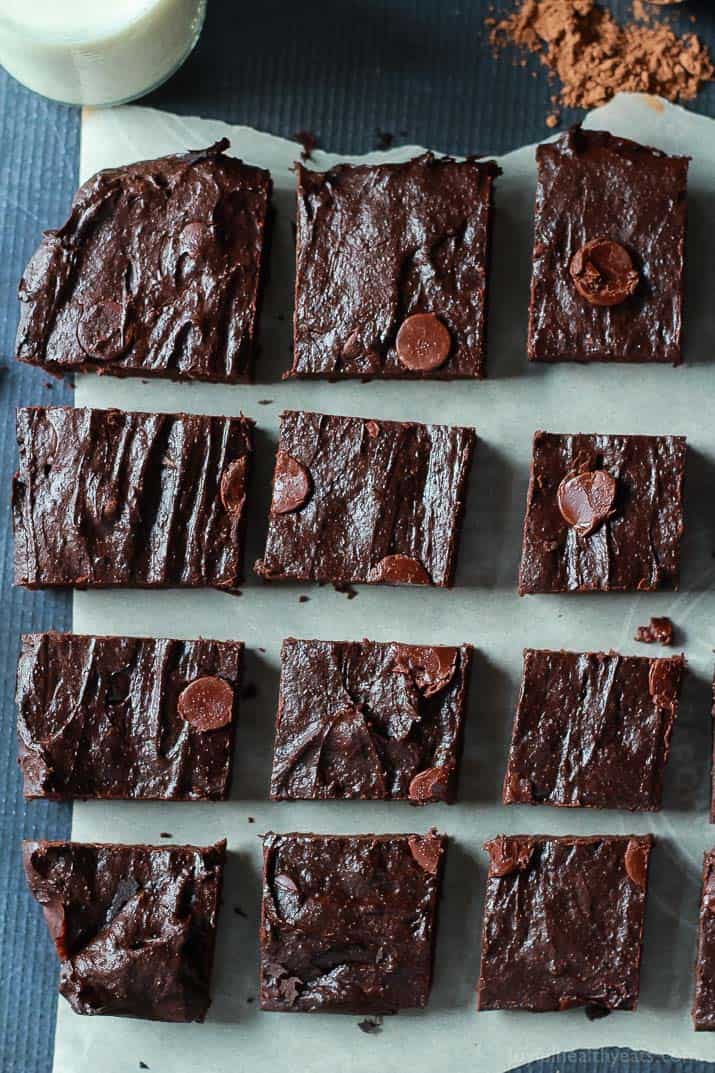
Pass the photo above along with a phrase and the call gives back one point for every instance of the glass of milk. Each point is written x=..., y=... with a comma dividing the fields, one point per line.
x=97, y=52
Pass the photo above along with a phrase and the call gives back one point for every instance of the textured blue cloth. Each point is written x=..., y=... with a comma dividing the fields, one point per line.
x=419, y=70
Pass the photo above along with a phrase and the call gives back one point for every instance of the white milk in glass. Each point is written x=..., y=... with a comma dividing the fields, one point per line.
x=97, y=52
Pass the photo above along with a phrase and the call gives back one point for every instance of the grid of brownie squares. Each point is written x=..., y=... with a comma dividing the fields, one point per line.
x=348, y=922
x=364, y=501
x=593, y=729
x=609, y=236
x=603, y=513
x=392, y=265
x=563, y=922
x=369, y=721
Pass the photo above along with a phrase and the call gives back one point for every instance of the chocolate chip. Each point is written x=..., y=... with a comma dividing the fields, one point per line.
x=430, y=785
x=400, y=570
x=662, y=683
x=100, y=331
x=658, y=631
x=432, y=669
x=586, y=499
x=206, y=703
x=508, y=855
x=423, y=342
x=427, y=851
x=603, y=272
x=636, y=862
x=233, y=486
x=291, y=484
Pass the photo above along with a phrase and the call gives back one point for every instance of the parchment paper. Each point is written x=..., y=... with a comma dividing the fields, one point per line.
x=483, y=609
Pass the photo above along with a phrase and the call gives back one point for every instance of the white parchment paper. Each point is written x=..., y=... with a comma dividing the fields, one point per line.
x=483, y=609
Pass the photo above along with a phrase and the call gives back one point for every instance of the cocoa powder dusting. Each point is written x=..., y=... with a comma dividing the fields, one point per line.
x=594, y=57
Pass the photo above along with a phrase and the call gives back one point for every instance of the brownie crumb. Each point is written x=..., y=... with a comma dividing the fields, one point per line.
x=658, y=631
x=309, y=141
x=595, y=1013
x=143, y=1065
x=265, y=402
x=165, y=834
x=251, y=819
x=249, y=691
x=303, y=599
x=239, y=912
x=385, y=140
x=250, y=999
x=371, y=1026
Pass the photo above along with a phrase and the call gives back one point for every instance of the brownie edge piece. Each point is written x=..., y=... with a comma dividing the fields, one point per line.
x=603, y=513
x=609, y=236
x=372, y=721
x=392, y=265
x=158, y=272
x=704, y=1004
x=563, y=922
x=104, y=498
x=127, y=717
x=593, y=729
x=134, y=926
x=348, y=922
x=364, y=501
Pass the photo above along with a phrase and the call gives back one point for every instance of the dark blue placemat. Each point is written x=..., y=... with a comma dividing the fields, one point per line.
x=418, y=69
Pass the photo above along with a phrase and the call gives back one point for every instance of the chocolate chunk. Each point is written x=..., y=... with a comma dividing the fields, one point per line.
x=658, y=631
x=291, y=484
x=207, y=703
x=427, y=850
x=430, y=785
x=400, y=570
x=423, y=342
x=603, y=272
x=233, y=486
x=636, y=862
x=586, y=499
x=432, y=668
x=508, y=855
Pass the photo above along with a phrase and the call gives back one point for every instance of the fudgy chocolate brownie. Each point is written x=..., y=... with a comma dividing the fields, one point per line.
x=359, y=719
x=157, y=272
x=358, y=500
x=105, y=498
x=348, y=922
x=593, y=728
x=134, y=926
x=391, y=269
x=603, y=513
x=127, y=717
x=563, y=922
x=704, y=1004
x=609, y=234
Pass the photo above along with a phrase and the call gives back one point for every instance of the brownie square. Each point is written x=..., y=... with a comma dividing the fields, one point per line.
x=593, y=729
x=391, y=269
x=105, y=498
x=358, y=500
x=134, y=926
x=704, y=1004
x=127, y=717
x=609, y=233
x=563, y=922
x=157, y=272
x=348, y=922
x=360, y=719
x=603, y=513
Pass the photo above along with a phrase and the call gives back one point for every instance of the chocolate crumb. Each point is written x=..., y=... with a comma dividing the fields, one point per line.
x=371, y=1026
x=250, y=999
x=595, y=1013
x=309, y=141
x=143, y=1065
x=265, y=402
x=239, y=912
x=658, y=631
x=303, y=599
x=251, y=819
x=594, y=57
x=165, y=834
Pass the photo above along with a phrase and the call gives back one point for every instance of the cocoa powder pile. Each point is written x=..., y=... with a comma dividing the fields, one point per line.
x=594, y=57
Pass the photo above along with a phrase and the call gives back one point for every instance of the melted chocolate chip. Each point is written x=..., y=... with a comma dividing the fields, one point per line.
x=291, y=484
x=400, y=570
x=100, y=331
x=430, y=785
x=423, y=342
x=636, y=863
x=603, y=272
x=431, y=668
x=233, y=486
x=586, y=499
x=508, y=855
x=427, y=851
x=206, y=703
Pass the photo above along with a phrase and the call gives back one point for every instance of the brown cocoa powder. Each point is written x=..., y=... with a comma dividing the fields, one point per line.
x=594, y=57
